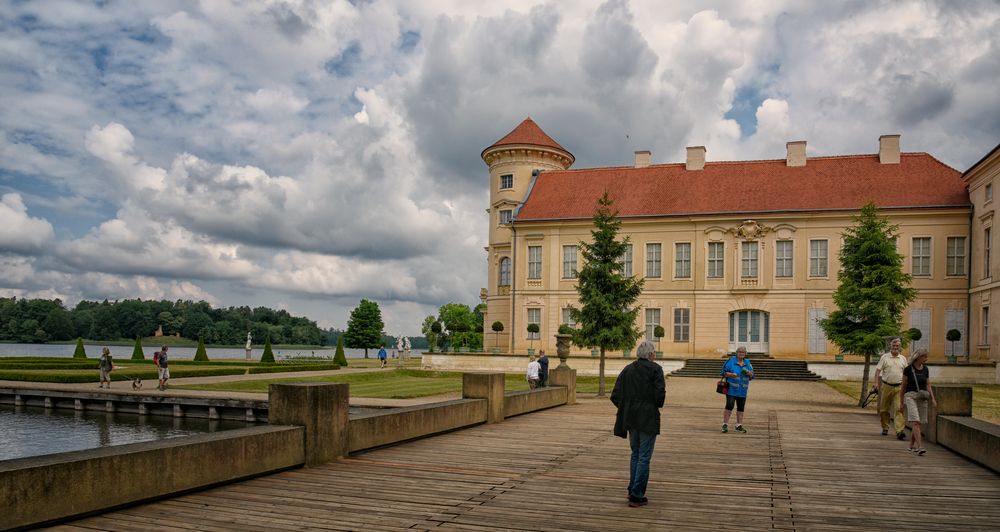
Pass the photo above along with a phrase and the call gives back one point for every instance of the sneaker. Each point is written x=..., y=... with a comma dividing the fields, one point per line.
x=900, y=435
x=725, y=428
x=100, y=386
x=739, y=428
x=921, y=451
x=885, y=432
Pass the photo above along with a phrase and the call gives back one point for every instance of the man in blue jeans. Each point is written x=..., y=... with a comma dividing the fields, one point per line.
x=639, y=393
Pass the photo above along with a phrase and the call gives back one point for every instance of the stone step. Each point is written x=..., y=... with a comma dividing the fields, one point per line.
x=764, y=368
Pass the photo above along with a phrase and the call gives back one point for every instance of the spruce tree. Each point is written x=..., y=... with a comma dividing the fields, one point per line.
x=339, y=358
x=873, y=292
x=137, y=353
x=607, y=317
x=79, y=352
x=268, y=356
x=201, y=355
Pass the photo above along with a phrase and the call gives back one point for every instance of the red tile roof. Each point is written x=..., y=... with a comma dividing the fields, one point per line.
x=528, y=132
x=825, y=183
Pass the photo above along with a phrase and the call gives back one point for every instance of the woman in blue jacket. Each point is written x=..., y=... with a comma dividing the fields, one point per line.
x=738, y=373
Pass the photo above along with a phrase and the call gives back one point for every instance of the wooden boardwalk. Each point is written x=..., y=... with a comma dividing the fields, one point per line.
x=562, y=469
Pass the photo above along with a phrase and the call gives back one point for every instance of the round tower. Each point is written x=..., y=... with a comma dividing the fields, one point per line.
x=514, y=161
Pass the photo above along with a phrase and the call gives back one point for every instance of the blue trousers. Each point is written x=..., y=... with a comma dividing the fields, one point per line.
x=642, y=451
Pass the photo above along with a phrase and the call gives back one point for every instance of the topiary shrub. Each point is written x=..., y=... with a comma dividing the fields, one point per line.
x=339, y=358
x=914, y=334
x=137, y=353
x=201, y=355
x=268, y=356
x=79, y=352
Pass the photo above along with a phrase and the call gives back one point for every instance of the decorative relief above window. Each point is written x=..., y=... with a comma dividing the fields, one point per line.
x=750, y=230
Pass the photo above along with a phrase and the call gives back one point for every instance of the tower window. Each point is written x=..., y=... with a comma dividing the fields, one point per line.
x=506, y=216
x=507, y=181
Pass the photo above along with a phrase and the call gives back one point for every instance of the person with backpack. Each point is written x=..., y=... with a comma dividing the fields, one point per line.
x=106, y=365
x=162, y=369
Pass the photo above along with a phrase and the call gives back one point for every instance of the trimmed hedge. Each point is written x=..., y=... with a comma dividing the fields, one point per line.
x=287, y=368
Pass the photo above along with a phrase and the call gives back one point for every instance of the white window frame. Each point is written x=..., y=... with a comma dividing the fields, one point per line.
x=988, y=192
x=503, y=277
x=816, y=336
x=506, y=177
x=682, y=260
x=816, y=261
x=654, y=260
x=567, y=317
x=987, y=249
x=652, y=320
x=985, y=339
x=569, y=263
x=749, y=259
x=682, y=324
x=784, y=267
x=506, y=216
x=955, y=256
x=535, y=316
x=716, y=266
x=534, y=262
x=626, y=261
x=923, y=260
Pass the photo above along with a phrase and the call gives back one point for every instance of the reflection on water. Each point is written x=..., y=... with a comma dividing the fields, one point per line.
x=34, y=431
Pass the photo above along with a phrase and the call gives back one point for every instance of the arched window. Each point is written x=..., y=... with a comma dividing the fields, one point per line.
x=504, y=271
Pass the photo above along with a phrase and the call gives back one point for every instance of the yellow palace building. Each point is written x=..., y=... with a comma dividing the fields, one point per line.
x=735, y=253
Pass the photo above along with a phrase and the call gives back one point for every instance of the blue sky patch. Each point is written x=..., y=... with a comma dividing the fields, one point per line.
x=344, y=64
x=748, y=98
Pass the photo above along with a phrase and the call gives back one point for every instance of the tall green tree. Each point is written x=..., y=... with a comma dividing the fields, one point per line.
x=428, y=330
x=137, y=353
x=873, y=292
x=364, y=327
x=58, y=324
x=607, y=313
x=339, y=358
x=201, y=355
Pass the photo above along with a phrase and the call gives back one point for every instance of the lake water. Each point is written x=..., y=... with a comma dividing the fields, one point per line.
x=179, y=353
x=34, y=431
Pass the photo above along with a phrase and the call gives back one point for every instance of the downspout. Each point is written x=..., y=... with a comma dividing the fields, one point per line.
x=968, y=290
x=513, y=283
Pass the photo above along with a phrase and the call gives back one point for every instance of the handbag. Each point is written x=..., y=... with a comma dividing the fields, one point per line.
x=923, y=395
x=722, y=386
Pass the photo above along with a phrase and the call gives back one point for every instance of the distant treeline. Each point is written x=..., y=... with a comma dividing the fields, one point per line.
x=43, y=320
x=417, y=343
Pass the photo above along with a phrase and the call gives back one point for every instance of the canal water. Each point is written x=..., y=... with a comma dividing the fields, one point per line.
x=177, y=353
x=34, y=431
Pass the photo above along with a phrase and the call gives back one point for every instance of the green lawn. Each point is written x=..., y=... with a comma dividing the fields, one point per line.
x=985, y=398
x=394, y=384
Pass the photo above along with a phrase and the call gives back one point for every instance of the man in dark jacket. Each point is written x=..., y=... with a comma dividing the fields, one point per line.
x=639, y=393
x=543, y=368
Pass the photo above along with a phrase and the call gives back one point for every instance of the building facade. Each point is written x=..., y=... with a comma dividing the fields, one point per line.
x=984, y=324
x=732, y=253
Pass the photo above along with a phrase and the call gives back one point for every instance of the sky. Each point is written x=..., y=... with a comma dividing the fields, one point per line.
x=307, y=154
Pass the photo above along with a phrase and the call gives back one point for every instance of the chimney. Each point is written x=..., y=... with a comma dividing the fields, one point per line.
x=888, y=149
x=642, y=158
x=796, y=153
x=695, y=158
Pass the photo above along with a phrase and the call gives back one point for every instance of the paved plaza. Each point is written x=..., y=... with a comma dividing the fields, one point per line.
x=811, y=461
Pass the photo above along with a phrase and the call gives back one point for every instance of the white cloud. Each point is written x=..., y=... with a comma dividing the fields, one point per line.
x=19, y=232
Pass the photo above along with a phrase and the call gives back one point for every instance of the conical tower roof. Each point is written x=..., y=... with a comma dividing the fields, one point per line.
x=528, y=133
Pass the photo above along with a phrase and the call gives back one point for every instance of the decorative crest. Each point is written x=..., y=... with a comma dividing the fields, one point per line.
x=750, y=230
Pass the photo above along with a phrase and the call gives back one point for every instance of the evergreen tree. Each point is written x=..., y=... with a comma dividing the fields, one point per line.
x=201, y=355
x=339, y=358
x=606, y=316
x=268, y=356
x=364, y=328
x=80, y=352
x=137, y=353
x=873, y=293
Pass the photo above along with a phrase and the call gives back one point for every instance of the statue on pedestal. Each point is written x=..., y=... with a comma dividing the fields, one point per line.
x=249, y=344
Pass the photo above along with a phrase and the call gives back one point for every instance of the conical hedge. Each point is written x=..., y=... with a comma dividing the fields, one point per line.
x=137, y=353
x=339, y=358
x=268, y=356
x=80, y=352
x=201, y=355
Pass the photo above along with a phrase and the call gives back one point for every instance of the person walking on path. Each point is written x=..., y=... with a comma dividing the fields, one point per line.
x=162, y=367
x=638, y=394
x=888, y=377
x=738, y=373
x=106, y=365
x=534, y=368
x=917, y=391
x=543, y=369
x=381, y=356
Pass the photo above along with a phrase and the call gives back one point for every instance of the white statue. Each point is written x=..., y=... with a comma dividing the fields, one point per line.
x=249, y=340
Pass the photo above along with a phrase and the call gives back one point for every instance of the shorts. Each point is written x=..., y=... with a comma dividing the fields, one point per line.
x=916, y=408
x=164, y=373
x=741, y=403
x=105, y=374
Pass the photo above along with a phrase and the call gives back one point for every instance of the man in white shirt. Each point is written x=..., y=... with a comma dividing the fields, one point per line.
x=533, y=368
x=888, y=376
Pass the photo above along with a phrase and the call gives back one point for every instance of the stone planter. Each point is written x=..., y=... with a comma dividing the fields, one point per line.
x=562, y=349
x=839, y=357
x=531, y=351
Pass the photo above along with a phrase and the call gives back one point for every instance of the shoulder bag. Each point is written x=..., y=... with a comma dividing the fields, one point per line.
x=922, y=394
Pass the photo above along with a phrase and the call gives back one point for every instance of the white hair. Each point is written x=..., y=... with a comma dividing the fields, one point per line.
x=645, y=350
